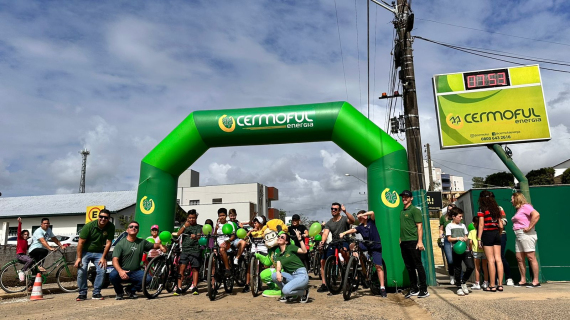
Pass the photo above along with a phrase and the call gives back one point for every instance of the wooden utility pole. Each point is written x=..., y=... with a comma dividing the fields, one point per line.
x=430, y=187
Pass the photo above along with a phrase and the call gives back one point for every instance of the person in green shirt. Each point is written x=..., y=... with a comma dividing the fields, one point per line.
x=190, y=233
x=411, y=246
x=127, y=257
x=94, y=242
x=291, y=275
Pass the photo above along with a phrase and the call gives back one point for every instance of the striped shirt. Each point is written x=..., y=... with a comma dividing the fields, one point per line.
x=490, y=224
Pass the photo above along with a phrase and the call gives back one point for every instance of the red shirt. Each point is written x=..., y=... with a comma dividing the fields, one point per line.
x=21, y=244
x=490, y=224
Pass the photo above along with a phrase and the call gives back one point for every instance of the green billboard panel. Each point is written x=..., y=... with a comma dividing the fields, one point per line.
x=490, y=106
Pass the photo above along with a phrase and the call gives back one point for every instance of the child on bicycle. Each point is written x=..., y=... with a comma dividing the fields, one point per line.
x=223, y=239
x=190, y=251
x=259, y=247
x=22, y=250
x=367, y=229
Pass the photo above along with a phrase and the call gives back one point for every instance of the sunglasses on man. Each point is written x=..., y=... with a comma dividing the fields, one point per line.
x=104, y=217
x=134, y=227
x=334, y=209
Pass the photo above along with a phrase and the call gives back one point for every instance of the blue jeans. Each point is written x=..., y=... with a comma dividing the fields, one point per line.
x=448, y=251
x=94, y=258
x=134, y=280
x=293, y=284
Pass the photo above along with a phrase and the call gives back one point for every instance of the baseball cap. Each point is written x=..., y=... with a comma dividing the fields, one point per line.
x=296, y=217
x=406, y=193
x=154, y=227
x=258, y=219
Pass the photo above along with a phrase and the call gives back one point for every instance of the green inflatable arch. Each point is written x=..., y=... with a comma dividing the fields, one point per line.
x=384, y=158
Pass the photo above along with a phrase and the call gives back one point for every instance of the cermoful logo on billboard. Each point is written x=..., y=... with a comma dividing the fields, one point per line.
x=289, y=120
x=518, y=116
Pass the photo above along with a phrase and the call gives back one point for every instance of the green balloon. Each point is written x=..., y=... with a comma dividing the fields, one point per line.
x=165, y=237
x=471, y=226
x=207, y=229
x=315, y=229
x=318, y=237
x=459, y=247
x=235, y=225
x=241, y=233
x=202, y=241
x=150, y=239
x=228, y=228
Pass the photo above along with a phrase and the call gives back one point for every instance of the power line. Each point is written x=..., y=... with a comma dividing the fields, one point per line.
x=493, y=32
x=464, y=164
x=341, y=54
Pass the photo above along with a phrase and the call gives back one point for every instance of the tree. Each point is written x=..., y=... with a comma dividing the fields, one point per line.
x=282, y=215
x=478, y=182
x=124, y=221
x=566, y=176
x=500, y=179
x=541, y=177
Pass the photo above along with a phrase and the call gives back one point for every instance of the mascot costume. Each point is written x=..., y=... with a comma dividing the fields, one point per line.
x=271, y=231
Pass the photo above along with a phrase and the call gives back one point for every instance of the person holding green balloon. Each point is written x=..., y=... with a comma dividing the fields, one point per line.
x=224, y=232
x=457, y=233
x=190, y=251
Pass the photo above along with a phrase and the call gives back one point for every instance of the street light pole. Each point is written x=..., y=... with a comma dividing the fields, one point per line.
x=349, y=175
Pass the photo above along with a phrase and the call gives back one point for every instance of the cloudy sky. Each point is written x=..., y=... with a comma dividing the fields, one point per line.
x=116, y=77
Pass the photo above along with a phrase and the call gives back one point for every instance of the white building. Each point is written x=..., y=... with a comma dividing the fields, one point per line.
x=559, y=170
x=436, y=176
x=66, y=212
x=248, y=199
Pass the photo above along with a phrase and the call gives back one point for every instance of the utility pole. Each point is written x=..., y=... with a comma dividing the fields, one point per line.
x=430, y=188
x=84, y=154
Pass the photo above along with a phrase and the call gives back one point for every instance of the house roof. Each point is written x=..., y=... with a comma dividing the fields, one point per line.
x=65, y=204
x=567, y=162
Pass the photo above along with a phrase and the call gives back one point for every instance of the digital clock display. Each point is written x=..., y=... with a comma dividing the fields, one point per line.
x=486, y=79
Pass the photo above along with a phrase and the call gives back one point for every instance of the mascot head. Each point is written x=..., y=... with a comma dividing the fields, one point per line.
x=270, y=238
x=271, y=231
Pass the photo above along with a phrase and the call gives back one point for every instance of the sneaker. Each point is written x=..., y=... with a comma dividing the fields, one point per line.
x=283, y=299
x=510, y=282
x=81, y=297
x=246, y=288
x=383, y=293
x=97, y=296
x=236, y=261
x=485, y=285
x=464, y=288
x=21, y=275
x=323, y=288
x=177, y=292
x=412, y=293
x=476, y=286
x=460, y=292
x=451, y=280
x=132, y=296
x=305, y=297
x=195, y=291
x=119, y=297
x=423, y=294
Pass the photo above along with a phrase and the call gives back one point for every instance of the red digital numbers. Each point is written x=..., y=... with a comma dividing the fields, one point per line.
x=486, y=80
x=501, y=79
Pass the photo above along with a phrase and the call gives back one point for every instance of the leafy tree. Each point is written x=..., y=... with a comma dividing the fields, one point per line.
x=566, y=176
x=478, y=182
x=282, y=215
x=124, y=222
x=540, y=177
x=500, y=179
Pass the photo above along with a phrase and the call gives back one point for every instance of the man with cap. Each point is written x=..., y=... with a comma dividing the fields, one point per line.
x=296, y=225
x=94, y=242
x=411, y=245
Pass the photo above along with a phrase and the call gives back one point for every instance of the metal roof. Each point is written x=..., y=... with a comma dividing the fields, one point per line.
x=65, y=204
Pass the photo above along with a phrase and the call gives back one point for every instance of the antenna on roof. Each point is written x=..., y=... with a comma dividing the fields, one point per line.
x=84, y=154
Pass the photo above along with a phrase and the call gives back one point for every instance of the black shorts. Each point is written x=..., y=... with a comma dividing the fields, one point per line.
x=193, y=259
x=491, y=238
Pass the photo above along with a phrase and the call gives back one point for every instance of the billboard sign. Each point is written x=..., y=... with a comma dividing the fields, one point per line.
x=490, y=106
x=434, y=200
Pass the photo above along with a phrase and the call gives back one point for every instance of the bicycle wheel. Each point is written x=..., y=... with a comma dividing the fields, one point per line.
x=9, y=280
x=241, y=274
x=187, y=278
x=212, y=279
x=373, y=280
x=155, y=276
x=255, y=279
x=333, y=275
x=350, y=278
x=203, y=273
x=317, y=264
x=66, y=277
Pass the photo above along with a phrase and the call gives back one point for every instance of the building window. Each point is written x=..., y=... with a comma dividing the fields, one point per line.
x=194, y=202
x=79, y=227
x=216, y=200
x=12, y=231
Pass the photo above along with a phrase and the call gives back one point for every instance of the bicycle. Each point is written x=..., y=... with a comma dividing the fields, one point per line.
x=65, y=274
x=315, y=261
x=255, y=267
x=162, y=272
x=334, y=269
x=216, y=272
x=354, y=274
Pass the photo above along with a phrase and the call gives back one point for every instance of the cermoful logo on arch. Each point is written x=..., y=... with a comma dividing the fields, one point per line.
x=267, y=121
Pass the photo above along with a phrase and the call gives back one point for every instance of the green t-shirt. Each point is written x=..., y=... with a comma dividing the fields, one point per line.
x=96, y=237
x=130, y=253
x=289, y=259
x=408, y=219
x=190, y=245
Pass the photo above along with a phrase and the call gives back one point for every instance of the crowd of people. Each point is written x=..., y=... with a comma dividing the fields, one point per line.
x=484, y=254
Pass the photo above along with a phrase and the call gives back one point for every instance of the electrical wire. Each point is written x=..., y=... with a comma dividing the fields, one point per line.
x=340, y=46
x=469, y=165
